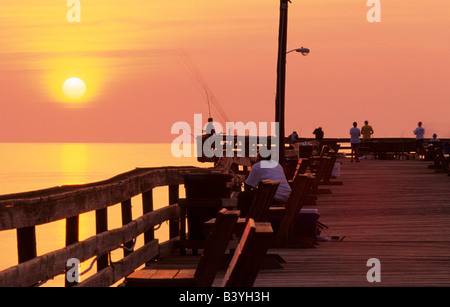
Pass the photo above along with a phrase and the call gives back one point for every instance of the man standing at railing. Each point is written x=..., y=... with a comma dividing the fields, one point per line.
x=366, y=131
x=420, y=133
x=355, y=133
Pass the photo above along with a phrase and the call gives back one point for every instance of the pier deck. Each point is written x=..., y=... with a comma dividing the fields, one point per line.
x=395, y=211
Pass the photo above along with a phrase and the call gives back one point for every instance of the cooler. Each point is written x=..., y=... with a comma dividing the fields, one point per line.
x=306, y=224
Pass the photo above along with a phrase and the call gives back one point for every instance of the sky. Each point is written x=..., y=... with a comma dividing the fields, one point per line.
x=149, y=64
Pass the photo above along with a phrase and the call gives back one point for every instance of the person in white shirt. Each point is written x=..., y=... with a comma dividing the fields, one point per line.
x=420, y=133
x=355, y=133
x=265, y=169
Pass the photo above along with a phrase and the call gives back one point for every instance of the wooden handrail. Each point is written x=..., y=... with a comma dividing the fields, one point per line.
x=23, y=211
x=45, y=206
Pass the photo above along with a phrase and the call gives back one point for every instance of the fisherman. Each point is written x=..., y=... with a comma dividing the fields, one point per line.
x=209, y=129
x=264, y=169
x=318, y=132
x=293, y=137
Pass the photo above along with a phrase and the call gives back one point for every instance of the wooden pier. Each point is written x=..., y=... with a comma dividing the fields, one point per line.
x=395, y=211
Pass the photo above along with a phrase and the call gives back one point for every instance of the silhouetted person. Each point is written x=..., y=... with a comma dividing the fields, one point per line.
x=435, y=141
x=355, y=133
x=366, y=131
x=209, y=129
x=419, y=132
x=293, y=137
x=318, y=132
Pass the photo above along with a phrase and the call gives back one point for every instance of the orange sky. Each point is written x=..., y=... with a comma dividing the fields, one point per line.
x=140, y=59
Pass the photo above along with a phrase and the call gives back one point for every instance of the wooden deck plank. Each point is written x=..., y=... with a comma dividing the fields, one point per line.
x=395, y=211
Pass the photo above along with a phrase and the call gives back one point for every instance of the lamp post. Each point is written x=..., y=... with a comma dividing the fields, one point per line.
x=281, y=77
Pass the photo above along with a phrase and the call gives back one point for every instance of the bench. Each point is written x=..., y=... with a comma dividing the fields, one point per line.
x=319, y=166
x=441, y=164
x=259, y=208
x=287, y=215
x=259, y=212
x=208, y=265
x=327, y=173
x=249, y=254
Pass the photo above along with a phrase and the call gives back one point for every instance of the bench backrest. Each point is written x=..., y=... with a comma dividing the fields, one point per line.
x=259, y=209
x=250, y=252
x=215, y=246
x=329, y=167
x=301, y=187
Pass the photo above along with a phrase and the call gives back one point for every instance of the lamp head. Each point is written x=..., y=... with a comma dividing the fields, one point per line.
x=303, y=51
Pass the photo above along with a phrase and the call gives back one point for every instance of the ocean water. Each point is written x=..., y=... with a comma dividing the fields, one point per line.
x=32, y=166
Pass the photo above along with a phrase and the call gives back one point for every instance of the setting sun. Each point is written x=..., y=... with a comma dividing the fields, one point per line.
x=74, y=88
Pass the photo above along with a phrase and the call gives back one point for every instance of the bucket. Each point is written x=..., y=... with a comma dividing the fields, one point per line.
x=336, y=170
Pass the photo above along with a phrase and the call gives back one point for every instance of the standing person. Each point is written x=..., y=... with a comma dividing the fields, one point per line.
x=209, y=129
x=420, y=133
x=366, y=131
x=318, y=133
x=355, y=133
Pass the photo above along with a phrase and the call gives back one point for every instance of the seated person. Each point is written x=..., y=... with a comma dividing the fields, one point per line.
x=435, y=141
x=265, y=169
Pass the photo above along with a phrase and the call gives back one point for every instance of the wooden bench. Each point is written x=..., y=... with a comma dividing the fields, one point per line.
x=441, y=164
x=211, y=206
x=259, y=212
x=287, y=215
x=327, y=173
x=259, y=208
x=249, y=254
x=208, y=265
x=321, y=167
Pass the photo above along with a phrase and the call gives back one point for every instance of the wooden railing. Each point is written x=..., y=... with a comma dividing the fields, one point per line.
x=26, y=210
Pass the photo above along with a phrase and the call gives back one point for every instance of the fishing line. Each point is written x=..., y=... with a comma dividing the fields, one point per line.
x=203, y=88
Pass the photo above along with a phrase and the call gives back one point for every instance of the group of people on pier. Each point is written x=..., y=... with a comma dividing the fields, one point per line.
x=355, y=141
x=366, y=132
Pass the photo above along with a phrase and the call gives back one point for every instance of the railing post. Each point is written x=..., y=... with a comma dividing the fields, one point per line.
x=72, y=230
x=147, y=206
x=101, y=225
x=174, y=196
x=26, y=243
x=126, y=218
x=72, y=236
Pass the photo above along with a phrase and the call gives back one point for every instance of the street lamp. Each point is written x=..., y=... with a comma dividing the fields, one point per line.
x=281, y=79
x=303, y=51
x=281, y=76
x=281, y=87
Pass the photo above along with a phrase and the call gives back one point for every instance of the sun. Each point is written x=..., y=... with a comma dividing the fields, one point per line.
x=74, y=88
